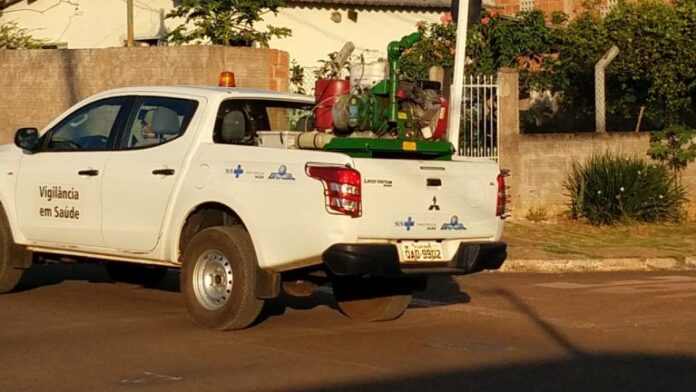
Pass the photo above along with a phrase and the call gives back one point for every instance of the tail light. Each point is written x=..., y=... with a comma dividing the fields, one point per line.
x=341, y=188
x=502, y=197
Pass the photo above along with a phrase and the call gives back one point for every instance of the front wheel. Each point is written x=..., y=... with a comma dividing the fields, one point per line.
x=218, y=278
x=372, y=299
x=9, y=275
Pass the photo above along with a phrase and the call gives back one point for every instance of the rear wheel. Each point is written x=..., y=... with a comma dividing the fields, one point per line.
x=372, y=299
x=218, y=278
x=146, y=275
x=9, y=275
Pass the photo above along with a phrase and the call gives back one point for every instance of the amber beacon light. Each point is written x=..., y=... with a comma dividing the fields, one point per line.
x=227, y=79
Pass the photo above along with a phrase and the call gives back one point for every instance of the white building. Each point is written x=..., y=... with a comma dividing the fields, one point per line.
x=318, y=27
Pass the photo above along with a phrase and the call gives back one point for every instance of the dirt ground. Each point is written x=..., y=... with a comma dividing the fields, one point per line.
x=573, y=240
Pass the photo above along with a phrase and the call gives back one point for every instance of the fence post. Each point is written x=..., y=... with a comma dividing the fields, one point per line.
x=509, y=129
x=508, y=112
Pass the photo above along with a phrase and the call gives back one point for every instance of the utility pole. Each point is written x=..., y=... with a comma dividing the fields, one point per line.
x=131, y=40
x=600, y=99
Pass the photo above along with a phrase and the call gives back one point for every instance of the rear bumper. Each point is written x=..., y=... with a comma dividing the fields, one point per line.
x=382, y=260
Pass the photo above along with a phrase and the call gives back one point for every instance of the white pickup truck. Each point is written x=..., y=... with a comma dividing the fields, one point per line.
x=153, y=178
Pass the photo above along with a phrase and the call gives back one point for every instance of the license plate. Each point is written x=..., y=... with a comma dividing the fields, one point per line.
x=421, y=251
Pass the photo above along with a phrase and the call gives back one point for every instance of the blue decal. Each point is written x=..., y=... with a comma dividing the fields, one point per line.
x=238, y=171
x=453, y=224
x=408, y=223
x=281, y=174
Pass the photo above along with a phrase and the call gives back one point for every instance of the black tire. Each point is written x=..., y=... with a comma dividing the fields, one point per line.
x=371, y=299
x=218, y=278
x=9, y=275
x=145, y=275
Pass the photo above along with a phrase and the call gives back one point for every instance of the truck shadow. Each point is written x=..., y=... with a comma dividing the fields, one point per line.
x=42, y=275
x=441, y=291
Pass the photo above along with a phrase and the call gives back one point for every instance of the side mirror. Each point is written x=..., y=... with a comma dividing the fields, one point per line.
x=27, y=138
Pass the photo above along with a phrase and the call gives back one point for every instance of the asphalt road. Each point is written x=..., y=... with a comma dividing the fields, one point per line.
x=71, y=329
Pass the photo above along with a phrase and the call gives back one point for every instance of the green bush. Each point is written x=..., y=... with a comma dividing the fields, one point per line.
x=607, y=189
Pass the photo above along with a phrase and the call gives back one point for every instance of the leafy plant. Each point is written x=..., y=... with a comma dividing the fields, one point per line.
x=675, y=146
x=330, y=69
x=14, y=37
x=607, y=189
x=297, y=77
x=655, y=68
x=436, y=47
x=225, y=22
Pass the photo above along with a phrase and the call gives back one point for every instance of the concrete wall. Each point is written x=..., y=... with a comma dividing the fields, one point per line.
x=37, y=85
x=539, y=164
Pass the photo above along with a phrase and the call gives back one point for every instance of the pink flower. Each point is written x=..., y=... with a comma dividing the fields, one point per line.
x=485, y=20
x=492, y=13
x=421, y=24
x=446, y=18
x=452, y=51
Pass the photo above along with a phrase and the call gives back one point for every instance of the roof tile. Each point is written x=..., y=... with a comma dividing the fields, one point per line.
x=377, y=3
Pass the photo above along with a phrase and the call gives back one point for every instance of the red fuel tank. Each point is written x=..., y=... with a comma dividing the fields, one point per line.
x=326, y=93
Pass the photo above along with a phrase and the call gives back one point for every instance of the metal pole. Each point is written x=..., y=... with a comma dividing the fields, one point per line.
x=600, y=99
x=453, y=122
x=131, y=39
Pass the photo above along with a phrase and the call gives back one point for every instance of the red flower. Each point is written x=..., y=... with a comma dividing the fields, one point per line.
x=492, y=13
x=446, y=18
x=485, y=20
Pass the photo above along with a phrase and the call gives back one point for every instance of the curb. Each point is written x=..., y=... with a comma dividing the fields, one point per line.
x=600, y=265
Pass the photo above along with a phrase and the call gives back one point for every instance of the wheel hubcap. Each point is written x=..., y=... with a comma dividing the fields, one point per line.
x=212, y=279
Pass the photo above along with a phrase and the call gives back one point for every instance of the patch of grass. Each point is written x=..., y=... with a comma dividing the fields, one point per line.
x=560, y=249
x=571, y=238
x=537, y=214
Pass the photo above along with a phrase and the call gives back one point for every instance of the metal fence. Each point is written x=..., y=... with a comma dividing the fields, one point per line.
x=479, y=124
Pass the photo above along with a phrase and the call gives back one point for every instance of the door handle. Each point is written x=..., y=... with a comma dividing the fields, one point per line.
x=163, y=172
x=433, y=182
x=89, y=172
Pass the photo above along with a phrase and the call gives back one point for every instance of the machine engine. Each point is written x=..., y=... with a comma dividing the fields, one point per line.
x=421, y=109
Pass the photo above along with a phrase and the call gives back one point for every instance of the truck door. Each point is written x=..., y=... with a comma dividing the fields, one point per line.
x=59, y=191
x=141, y=172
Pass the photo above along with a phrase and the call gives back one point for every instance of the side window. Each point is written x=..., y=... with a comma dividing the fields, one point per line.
x=238, y=121
x=157, y=120
x=89, y=128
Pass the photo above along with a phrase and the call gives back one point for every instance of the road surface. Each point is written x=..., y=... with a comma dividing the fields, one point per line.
x=71, y=329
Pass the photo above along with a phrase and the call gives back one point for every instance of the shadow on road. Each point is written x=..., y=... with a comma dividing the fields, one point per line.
x=579, y=370
x=599, y=372
x=51, y=274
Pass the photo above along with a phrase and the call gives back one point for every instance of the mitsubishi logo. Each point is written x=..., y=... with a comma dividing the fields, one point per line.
x=434, y=207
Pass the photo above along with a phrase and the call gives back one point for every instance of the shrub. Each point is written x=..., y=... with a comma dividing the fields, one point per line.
x=607, y=189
